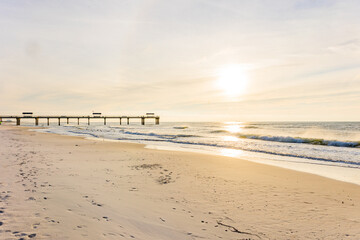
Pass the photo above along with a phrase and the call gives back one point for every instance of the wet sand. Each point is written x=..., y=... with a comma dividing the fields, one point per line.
x=61, y=187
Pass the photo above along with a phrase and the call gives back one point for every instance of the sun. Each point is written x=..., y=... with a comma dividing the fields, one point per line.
x=232, y=79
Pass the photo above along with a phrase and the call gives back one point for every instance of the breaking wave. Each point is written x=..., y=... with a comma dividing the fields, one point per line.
x=313, y=141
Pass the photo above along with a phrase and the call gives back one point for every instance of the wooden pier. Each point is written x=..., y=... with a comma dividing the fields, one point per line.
x=67, y=118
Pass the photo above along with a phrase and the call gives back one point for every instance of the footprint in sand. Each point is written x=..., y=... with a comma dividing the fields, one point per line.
x=32, y=235
x=36, y=225
x=18, y=234
x=95, y=203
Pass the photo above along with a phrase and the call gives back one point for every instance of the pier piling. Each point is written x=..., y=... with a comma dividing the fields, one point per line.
x=36, y=121
x=128, y=121
x=59, y=121
x=142, y=121
x=17, y=121
x=48, y=121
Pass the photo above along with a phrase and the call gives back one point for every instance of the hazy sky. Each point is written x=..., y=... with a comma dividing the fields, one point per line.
x=301, y=58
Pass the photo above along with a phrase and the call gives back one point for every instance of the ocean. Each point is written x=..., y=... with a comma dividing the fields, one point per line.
x=330, y=149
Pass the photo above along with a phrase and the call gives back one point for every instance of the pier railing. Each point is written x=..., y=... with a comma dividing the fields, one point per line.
x=37, y=118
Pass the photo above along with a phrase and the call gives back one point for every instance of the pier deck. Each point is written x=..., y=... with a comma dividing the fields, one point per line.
x=48, y=117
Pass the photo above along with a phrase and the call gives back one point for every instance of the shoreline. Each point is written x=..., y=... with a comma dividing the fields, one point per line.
x=339, y=173
x=103, y=190
x=349, y=175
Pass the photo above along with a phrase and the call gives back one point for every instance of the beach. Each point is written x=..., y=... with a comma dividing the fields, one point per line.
x=68, y=187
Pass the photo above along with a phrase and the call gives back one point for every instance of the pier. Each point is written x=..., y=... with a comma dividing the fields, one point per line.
x=62, y=118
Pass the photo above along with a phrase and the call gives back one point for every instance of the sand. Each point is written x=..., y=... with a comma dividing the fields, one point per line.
x=61, y=187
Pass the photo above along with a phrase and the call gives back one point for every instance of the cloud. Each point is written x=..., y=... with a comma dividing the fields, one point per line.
x=349, y=47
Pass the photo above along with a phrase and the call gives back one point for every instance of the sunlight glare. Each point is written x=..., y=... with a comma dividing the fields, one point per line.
x=230, y=138
x=231, y=152
x=232, y=79
x=234, y=128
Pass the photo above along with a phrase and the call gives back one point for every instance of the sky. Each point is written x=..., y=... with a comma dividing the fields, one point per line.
x=291, y=60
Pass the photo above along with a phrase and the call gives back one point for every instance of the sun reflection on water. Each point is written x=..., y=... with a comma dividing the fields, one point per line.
x=234, y=128
x=230, y=138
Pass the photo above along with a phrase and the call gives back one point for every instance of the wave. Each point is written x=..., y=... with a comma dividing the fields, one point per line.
x=350, y=164
x=313, y=141
x=162, y=136
x=251, y=127
x=225, y=131
x=219, y=131
x=186, y=135
x=180, y=127
x=191, y=140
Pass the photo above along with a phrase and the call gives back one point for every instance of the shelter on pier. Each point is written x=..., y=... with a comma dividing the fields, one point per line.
x=96, y=114
x=27, y=114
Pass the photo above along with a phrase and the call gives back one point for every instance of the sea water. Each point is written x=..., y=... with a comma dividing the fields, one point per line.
x=330, y=149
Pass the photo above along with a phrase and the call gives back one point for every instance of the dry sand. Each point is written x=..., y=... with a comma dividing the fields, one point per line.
x=61, y=187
